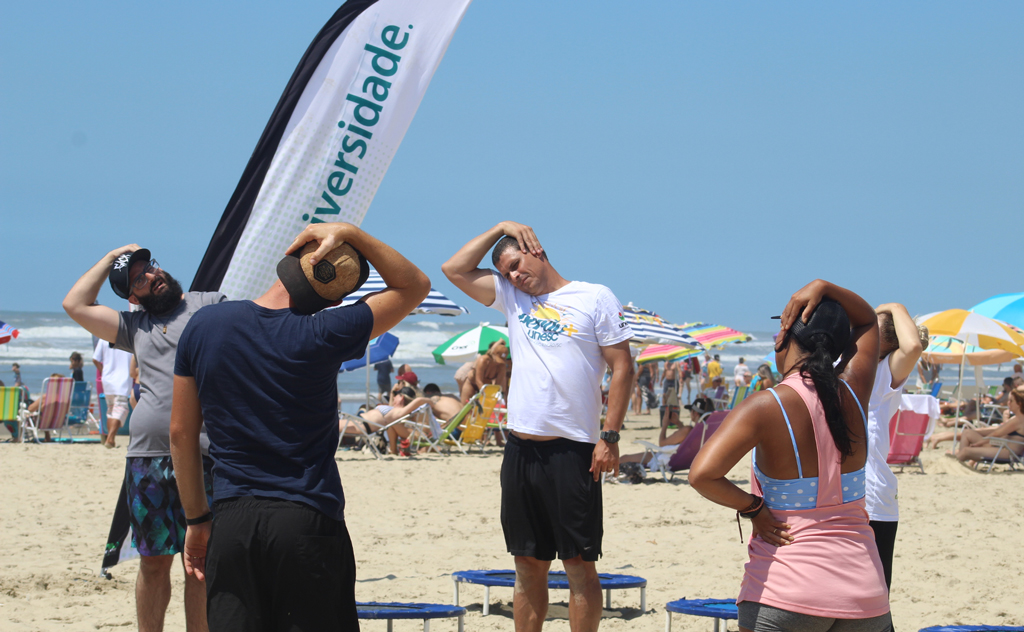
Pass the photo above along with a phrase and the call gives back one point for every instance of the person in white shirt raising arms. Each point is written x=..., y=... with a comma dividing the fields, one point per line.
x=563, y=334
x=900, y=346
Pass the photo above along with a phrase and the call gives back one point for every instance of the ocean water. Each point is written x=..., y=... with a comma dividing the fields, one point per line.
x=48, y=338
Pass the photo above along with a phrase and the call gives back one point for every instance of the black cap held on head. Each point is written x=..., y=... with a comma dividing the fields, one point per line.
x=829, y=318
x=119, y=275
x=316, y=287
x=700, y=404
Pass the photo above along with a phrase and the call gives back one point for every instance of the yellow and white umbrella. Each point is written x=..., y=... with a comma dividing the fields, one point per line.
x=947, y=350
x=973, y=329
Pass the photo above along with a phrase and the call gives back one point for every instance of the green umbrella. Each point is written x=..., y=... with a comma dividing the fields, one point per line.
x=469, y=344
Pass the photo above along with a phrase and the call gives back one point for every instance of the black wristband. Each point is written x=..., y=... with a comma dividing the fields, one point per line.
x=754, y=509
x=208, y=516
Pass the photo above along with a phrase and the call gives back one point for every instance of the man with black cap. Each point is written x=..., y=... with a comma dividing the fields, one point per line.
x=262, y=374
x=152, y=335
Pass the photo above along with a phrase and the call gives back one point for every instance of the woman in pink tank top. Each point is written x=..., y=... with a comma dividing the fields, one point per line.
x=813, y=560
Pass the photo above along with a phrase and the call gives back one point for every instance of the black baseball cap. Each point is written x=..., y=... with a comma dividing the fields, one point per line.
x=316, y=287
x=701, y=405
x=829, y=318
x=119, y=281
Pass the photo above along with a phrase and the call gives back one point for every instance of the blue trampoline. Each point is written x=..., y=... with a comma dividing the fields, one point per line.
x=556, y=579
x=972, y=628
x=718, y=609
x=424, y=611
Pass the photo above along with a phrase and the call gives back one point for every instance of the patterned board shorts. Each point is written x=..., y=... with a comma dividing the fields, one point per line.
x=154, y=509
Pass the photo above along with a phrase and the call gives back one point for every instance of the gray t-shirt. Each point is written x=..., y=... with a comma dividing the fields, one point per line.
x=154, y=341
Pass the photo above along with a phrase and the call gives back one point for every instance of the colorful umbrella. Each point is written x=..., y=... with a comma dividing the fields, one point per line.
x=649, y=328
x=435, y=303
x=381, y=348
x=974, y=329
x=656, y=353
x=714, y=335
x=946, y=350
x=469, y=344
x=1008, y=308
x=7, y=332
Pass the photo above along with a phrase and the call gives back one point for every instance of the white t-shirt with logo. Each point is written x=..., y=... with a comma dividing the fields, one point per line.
x=117, y=379
x=556, y=342
x=880, y=499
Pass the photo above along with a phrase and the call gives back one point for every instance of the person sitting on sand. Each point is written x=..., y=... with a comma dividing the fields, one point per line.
x=1016, y=400
x=697, y=409
x=975, y=446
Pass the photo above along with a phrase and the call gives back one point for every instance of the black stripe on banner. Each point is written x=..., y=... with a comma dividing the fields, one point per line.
x=222, y=246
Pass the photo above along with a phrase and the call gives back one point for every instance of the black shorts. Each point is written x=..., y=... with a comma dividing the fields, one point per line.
x=550, y=503
x=278, y=565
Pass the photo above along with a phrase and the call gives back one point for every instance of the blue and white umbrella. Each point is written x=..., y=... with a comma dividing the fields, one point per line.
x=649, y=328
x=381, y=348
x=435, y=303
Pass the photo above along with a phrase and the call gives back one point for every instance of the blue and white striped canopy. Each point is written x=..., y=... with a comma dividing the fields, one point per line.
x=649, y=328
x=435, y=303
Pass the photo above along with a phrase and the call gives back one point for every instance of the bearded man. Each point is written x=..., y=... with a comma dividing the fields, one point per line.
x=152, y=333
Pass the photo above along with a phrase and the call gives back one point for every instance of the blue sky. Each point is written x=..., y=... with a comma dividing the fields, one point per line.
x=703, y=160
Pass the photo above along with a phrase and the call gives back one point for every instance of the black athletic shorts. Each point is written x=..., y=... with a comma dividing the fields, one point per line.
x=278, y=565
x=550, y=503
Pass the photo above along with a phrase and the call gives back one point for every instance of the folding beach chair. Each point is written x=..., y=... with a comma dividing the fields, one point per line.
x=907, y=430
x=53, y=413
x=682, y=455
x=936, y=389
x=10, y=407
x=738, y=396
x=721, y=397
x=1005, y=455
x=375, y=438
x=479, y=416
x=79, y=416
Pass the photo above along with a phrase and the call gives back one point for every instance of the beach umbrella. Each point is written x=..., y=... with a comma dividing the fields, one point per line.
x=7, y=332
x=469, y=344
x=714, y=335
x=947, y=350
x=972, y=329
x=649, y=328
x=656, y=353
x=1008, y=308
x=380, y=348
x=436, y=303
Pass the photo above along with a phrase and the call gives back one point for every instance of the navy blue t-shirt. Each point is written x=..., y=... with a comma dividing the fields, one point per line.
x=267, y=381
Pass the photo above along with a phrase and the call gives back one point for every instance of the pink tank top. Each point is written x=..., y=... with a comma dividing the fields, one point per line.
x=832, y=568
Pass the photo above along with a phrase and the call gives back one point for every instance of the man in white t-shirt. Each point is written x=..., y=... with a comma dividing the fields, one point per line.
x=563, y=334
x=901, y=344
x=738, y=373
x=115, y=365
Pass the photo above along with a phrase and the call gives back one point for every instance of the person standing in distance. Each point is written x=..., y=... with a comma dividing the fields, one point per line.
x=263, y=375
x=563, y=334
x=901, y=344
x=152, y=335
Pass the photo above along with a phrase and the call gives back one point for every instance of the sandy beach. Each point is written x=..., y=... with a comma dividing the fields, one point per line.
x=414, y=521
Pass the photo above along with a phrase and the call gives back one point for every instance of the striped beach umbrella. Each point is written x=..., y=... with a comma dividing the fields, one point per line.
x=469, y=344
x=657, y=353
x=1008, y=308
x=7, y=332
x=946, y=350
x=649, y=328
x=436, y=303
x=715, y=335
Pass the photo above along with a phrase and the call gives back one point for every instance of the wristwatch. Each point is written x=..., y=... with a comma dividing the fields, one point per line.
x=610, y=436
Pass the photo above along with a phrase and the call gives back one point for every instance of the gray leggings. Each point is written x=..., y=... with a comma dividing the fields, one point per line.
x=761, y=618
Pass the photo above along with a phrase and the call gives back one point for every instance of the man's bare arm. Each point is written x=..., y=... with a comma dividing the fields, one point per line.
x=903, y=359
x=464, y=270
x=80, y=303
x=407, y=285
x=186, y=424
